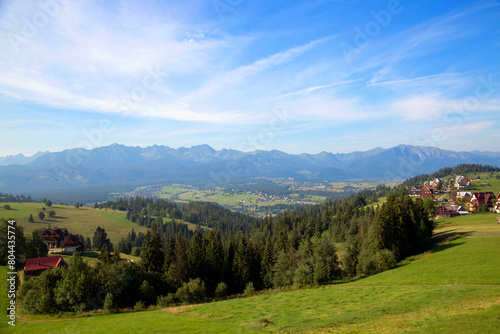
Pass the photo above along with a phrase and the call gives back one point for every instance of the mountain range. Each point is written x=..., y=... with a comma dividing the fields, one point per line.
x=204, y=166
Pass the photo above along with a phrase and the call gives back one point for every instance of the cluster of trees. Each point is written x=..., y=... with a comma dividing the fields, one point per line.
x=133, y=242
x=148, y=211
x=25, y=246
x=15, y=198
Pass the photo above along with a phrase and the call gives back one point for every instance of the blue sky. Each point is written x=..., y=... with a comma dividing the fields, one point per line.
x=298, y=76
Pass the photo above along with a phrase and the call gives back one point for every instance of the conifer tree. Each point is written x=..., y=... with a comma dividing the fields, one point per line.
x=178, y=270
x=152, y=252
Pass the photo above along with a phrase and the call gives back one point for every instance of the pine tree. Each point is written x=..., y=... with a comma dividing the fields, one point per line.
x=101, y=238
x=178, y=270
x=214, y=256
x=105, y=256
x=152, y=253
x=196, y=258
x=267, y=265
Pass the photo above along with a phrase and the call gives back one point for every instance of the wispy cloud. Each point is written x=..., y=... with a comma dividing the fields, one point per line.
x=178, y=66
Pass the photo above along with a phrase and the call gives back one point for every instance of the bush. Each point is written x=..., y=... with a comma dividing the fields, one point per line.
x=139, y=306
x=221, y=291
x=148, y=293
x=136, y=251
x=7, y=207
x=304, y=274
x=109, y=302
x=249, y=289
x=165, y=301
x=383, y=260
x=191, y=292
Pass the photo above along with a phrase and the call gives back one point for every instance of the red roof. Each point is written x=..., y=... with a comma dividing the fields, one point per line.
x=44, y=263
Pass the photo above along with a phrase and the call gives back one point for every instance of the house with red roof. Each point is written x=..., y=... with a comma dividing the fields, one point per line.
x=36, y=266
x=426, y=192
x=59, y=240
x=486, y=198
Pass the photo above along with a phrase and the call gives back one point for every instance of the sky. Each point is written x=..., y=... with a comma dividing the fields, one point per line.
x=297, y=76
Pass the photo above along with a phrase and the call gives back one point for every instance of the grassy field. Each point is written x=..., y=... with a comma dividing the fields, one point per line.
x=494, y=184
x=92, y=257
x=81, y=221
x=184, y=193
x=453, y=289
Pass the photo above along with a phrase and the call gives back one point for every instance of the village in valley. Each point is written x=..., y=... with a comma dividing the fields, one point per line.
x=457, y=196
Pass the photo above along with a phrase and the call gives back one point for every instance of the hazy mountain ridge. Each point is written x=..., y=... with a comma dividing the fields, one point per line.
x=202, y=165
x=19, y=159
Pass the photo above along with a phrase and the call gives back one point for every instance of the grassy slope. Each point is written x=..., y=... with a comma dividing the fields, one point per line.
x=454, y=289
x=485, y=178
x=81, y=221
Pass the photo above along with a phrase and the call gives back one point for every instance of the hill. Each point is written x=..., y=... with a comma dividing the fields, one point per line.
x=105, y=169
x=455, y=288
x=82, y=221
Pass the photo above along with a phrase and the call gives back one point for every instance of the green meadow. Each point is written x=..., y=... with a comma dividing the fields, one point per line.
x=494, y=183
x=455, y=288
x=82, y=221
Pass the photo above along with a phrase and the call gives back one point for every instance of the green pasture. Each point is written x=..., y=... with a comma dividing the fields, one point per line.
x=82, y=221
x=494, y=184
x=455, y=288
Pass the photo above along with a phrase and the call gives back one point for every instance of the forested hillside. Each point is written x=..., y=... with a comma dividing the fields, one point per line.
x=237, y=254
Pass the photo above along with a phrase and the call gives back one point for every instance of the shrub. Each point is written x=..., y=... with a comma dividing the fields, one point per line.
x=139, y=306
x=221, y=291
x=383, y=260
x=147, y=292
x=136, y=251
x=109, y=302
x=191, y=292
x=164, y=301
x=7, y=207
x=304, y=274
x=249, y=289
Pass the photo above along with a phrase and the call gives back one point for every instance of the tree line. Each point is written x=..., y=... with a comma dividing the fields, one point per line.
x=8, y=197
x=146, y=211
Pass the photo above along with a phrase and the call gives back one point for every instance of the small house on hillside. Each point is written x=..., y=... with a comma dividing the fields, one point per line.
x=426, y=192
x=36, y=266
x=464, y=196
x=463, y=185
x=59, y=240
x=441, y=212
x=486, y=198
x=414, y=190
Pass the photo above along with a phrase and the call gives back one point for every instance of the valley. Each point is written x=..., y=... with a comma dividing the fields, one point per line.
x=269, y=196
